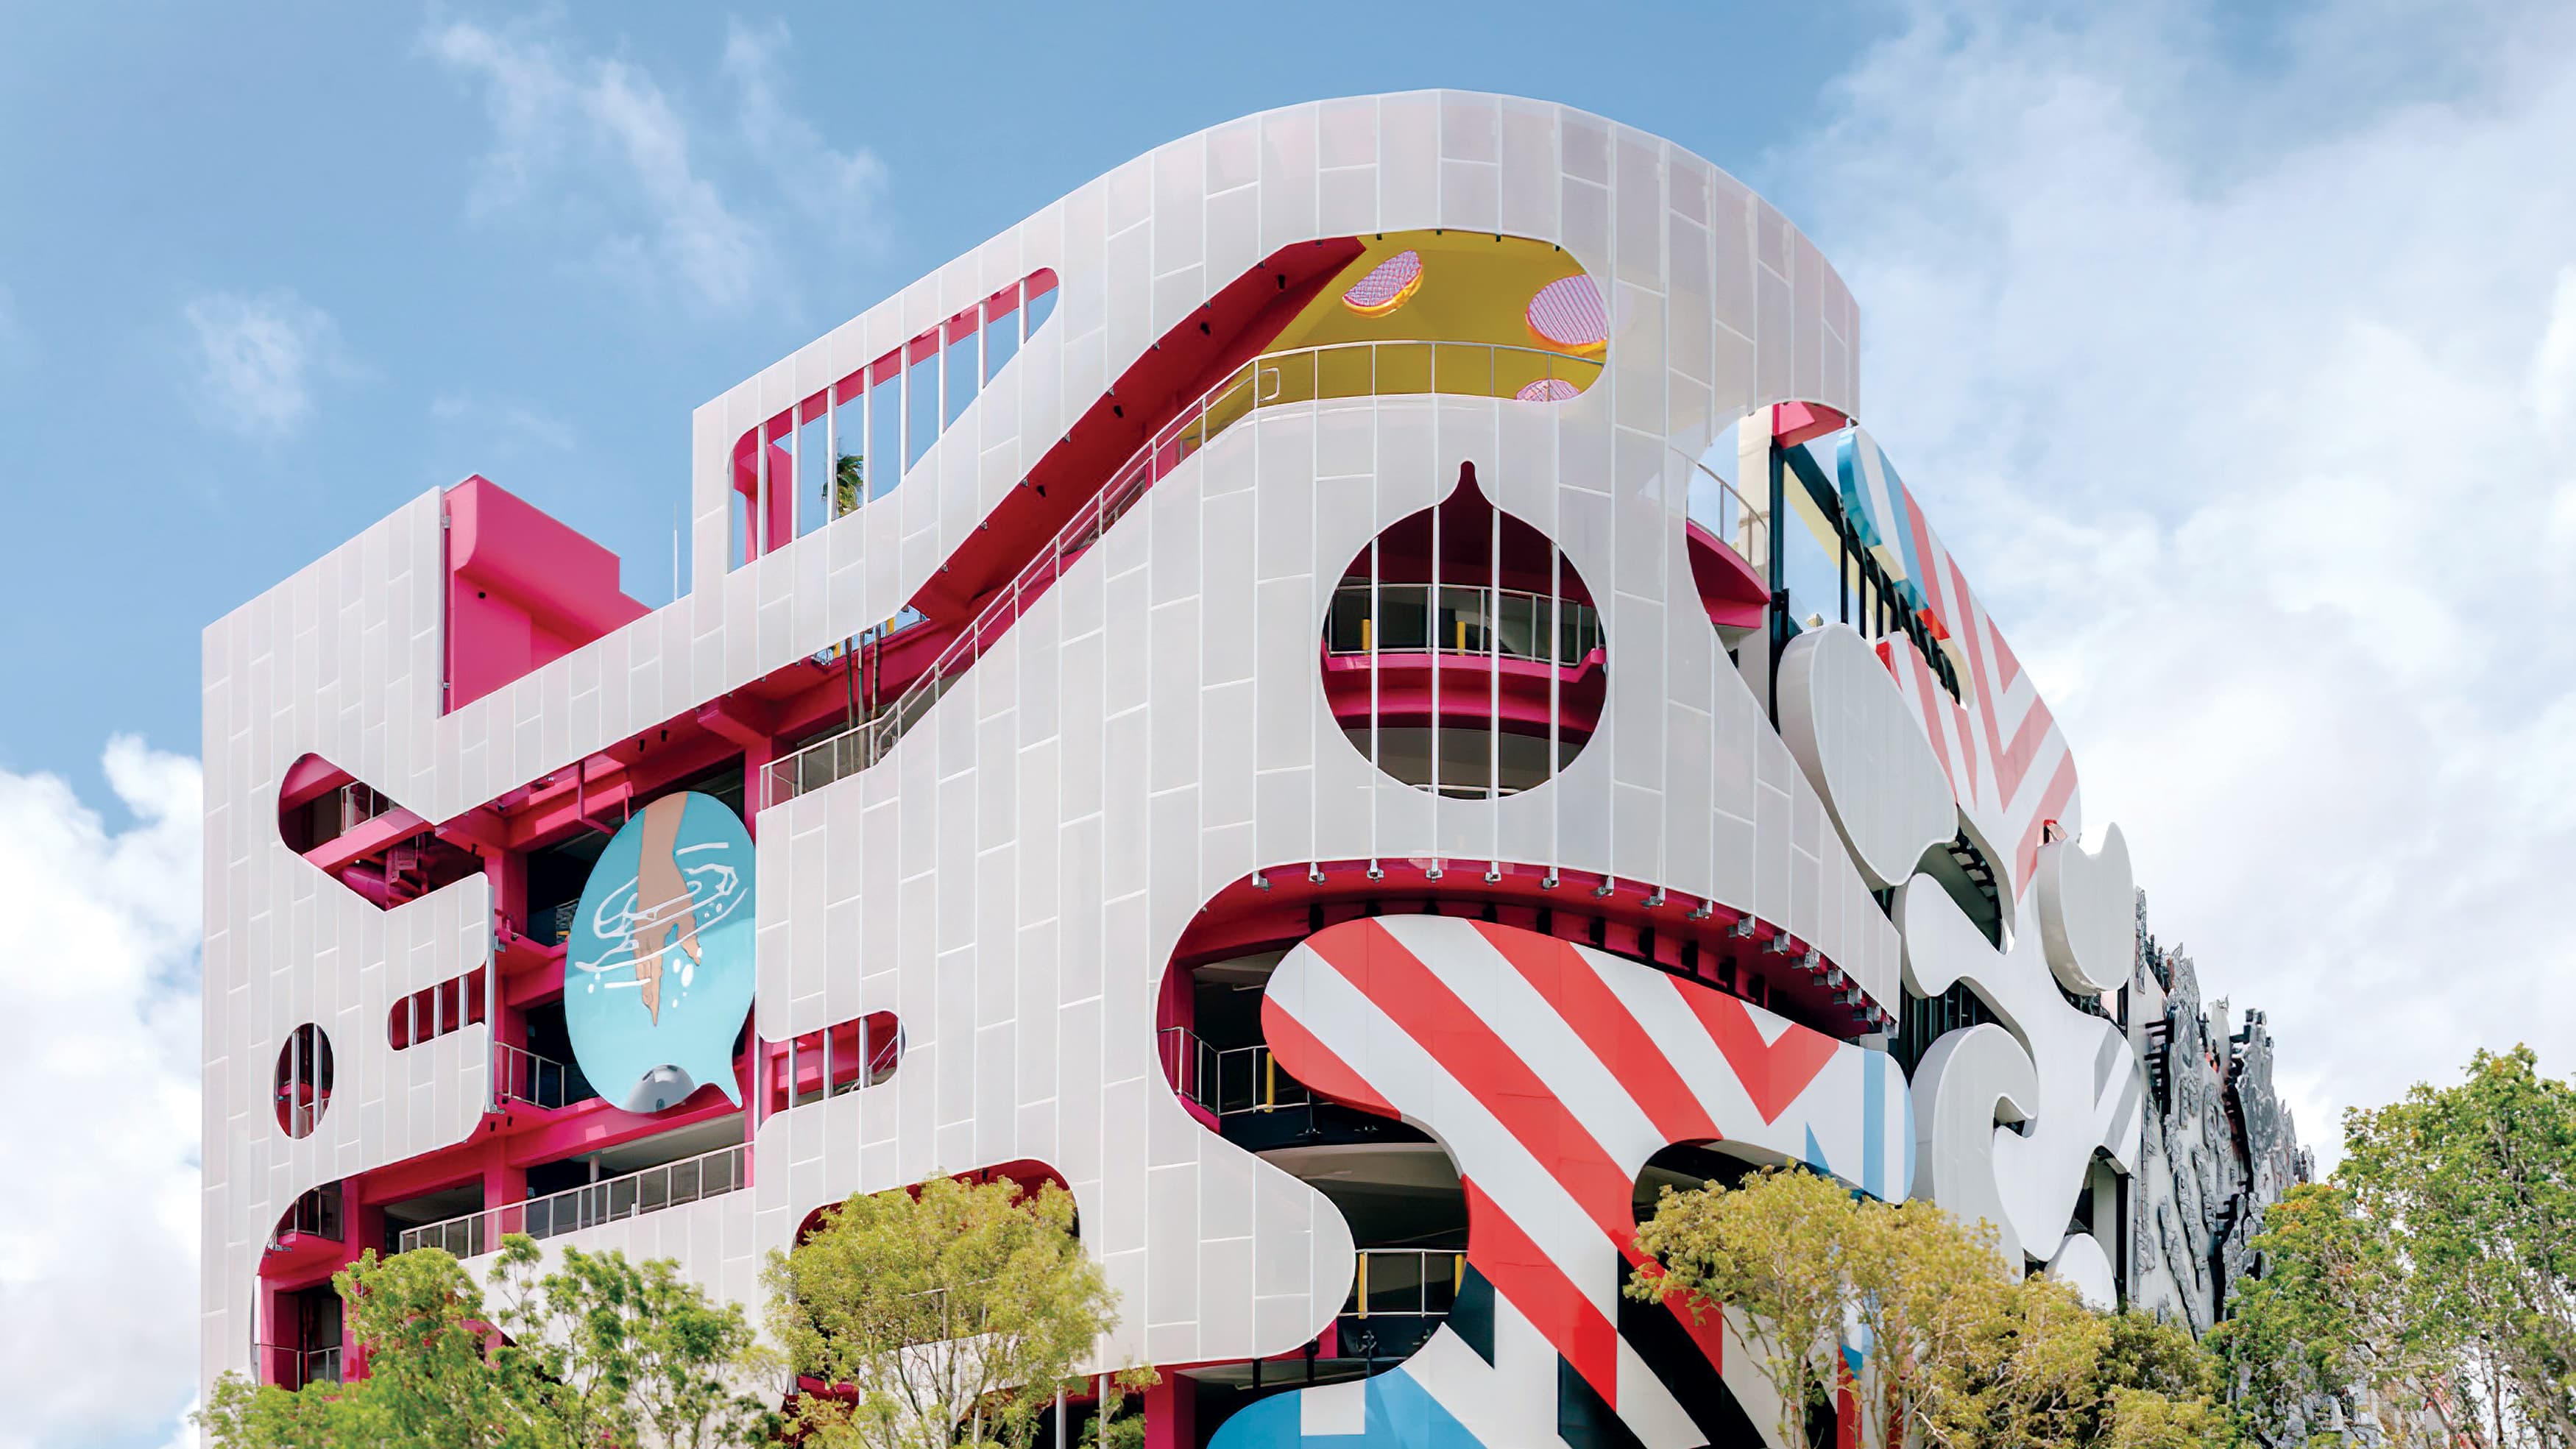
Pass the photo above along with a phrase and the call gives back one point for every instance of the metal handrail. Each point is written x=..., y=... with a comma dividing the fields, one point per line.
x=520, y=1075
x=1480, y=613
x=1228, y=1081
x=646, y=1190
x=1406, y=1282
x=1304, y=374
x=1739, y=525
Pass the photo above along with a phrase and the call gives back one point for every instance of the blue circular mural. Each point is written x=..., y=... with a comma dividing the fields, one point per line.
x=658, y=968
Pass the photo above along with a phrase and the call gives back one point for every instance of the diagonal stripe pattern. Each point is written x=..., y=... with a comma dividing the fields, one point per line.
x=1552, y=1073
x=2008, y=763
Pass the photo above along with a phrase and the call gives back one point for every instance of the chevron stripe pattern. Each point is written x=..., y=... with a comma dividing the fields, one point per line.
x=2009, y=765
x=1553, y=1073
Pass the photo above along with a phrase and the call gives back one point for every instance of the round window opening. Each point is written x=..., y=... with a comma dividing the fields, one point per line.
x=1463, y=652
x=303, y=1080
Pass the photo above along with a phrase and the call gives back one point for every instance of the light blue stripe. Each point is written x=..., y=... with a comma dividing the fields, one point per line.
x=1873, y=1123
x=1854, y=483
x=1400, y=1414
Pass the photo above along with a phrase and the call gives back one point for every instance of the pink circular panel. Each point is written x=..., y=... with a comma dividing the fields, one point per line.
x=1548, y=389
x=1567, y=313
x=1386, y=286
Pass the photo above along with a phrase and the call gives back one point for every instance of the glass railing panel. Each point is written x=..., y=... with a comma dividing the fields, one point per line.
x=1463, y=620
x=1391, y=1283
x=1520, y=627
x=1405, y=1282
x=1443, y=1274
x=649, y=1189
x=1467, y=614
x=1403, y=618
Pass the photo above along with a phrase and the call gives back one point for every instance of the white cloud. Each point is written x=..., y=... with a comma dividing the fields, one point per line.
x=839, y=189
x=2553, y=367
x=98, y=1054
x=2245, y=401
x=257, y=359
x=602, y=144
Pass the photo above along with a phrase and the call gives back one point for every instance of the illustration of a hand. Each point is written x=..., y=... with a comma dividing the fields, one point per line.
x=664, y=913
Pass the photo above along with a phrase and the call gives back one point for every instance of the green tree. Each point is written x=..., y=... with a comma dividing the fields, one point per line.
x=614, y=1352
x=2162, y=1388
x=849, y=483
x=1774, y=1251
x=264, y=1416
x=947, y=1315
x=1960, y=1351
x=595, y=1350
x=2433, y=1282
x=2026, y=1373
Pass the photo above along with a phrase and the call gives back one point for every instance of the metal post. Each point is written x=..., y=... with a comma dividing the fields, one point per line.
x=759, y=531
x=1494, y=681
x=1779, y=631
x=1431, y=638
x=1370, y=638
x=1555, y=649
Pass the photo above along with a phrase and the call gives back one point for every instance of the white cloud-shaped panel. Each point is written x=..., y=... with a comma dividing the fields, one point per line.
x=2088, y=912
x=1853, y=736
x=1970, y=1080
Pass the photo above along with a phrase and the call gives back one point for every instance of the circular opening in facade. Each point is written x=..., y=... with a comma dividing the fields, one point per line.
x=1462, y=651
x=303, y=1080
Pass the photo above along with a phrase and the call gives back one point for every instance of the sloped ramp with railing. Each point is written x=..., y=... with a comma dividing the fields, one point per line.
x=1303, y=375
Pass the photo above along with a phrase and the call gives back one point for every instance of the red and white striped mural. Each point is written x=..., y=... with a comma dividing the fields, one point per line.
x=1552, y=1073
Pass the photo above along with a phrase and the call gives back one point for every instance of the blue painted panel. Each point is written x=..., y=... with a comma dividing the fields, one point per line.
x=658, y=971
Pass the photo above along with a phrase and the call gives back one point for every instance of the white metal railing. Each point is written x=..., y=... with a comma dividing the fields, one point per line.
x=1228, y=1081
x=1737, y=523
x=1406, y=1282
x=648, y=1190
x=1473, y=619
x=1306, y=374
x=520, y=1075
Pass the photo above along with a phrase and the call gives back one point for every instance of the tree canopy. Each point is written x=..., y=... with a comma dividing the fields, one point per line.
x=1957, y=1349
x=2429, y=1290
x=594, y=1350
x=922, y=1319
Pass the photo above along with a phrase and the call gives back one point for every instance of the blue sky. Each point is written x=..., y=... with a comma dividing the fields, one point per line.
x=2233, y=350
x=398, y=288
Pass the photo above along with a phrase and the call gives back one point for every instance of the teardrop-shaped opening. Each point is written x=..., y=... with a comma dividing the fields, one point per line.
x=1463, y=652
